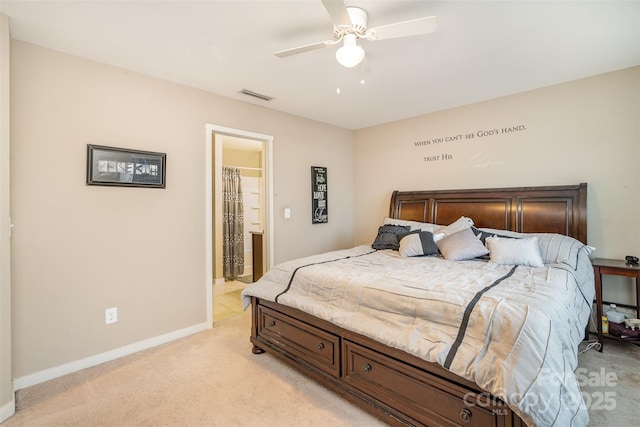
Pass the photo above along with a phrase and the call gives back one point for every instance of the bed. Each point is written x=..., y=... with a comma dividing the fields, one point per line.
x=484, y=339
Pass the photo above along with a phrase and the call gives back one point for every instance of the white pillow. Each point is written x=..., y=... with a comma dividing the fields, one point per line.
x=461, y=246
x=460, y=224
x=522, y=251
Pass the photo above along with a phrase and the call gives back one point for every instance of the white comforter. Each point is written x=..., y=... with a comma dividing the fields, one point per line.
x=520, y=341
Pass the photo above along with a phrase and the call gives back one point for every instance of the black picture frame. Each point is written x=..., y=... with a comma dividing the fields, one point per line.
x=122, y=167
x=319, y=201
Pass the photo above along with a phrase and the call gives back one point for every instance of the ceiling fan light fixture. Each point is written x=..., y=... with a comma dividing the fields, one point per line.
x=351, y=54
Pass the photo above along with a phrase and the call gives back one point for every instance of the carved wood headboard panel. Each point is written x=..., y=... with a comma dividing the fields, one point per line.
x=551, y=209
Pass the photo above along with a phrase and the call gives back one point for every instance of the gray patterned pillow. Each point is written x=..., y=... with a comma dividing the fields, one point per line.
x=482, y=235
x=418, y=243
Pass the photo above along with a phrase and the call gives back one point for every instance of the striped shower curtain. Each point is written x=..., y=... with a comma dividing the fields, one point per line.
x=232, y=224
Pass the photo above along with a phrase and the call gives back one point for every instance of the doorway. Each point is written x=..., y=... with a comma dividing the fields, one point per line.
x=251, y=153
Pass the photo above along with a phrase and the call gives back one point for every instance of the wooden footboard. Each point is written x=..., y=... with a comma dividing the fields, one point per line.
x=395, y=386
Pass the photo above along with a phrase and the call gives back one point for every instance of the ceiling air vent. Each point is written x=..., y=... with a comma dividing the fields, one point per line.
x=256, y=95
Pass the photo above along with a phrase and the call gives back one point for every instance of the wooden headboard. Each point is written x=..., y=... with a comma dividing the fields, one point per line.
x=551, y=209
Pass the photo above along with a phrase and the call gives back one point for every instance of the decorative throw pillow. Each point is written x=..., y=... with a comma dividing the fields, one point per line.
x=414, y=225
x=460, y=224
x=482, y=234
x=522, y=251
x=389, y=237
x=461, y=245
x=418, y=243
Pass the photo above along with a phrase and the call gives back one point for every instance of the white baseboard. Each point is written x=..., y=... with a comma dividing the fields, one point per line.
x=68, y=368
x=8, y=410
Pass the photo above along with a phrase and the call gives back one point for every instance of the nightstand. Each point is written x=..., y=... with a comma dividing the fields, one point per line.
x=614, y=267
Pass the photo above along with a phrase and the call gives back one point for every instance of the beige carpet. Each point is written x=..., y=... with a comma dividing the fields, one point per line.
x=213, y=379
x=209, y=379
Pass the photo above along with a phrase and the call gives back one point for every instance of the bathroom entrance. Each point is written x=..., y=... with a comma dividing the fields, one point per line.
x=244, y=159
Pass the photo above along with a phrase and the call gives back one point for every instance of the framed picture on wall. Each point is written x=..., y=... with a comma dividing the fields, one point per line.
x=319, y=208
x=124, y=167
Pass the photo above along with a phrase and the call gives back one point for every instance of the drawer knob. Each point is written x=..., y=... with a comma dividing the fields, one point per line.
x=465, y=415
x=272, y=323
x=319, y=346
x=367, y=368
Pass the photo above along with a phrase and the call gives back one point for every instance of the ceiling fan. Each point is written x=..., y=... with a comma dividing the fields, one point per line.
x=350, y=25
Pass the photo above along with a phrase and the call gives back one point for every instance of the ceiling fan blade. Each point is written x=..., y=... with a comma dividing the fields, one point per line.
x=413, y=27
x=338, y=12
x=301, y=49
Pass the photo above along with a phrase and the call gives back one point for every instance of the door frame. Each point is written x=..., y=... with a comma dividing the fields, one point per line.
x=212, y=146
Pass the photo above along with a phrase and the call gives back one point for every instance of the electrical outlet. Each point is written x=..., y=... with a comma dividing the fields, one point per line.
x=111, y=315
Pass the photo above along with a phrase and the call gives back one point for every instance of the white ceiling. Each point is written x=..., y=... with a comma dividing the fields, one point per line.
x=481, y=50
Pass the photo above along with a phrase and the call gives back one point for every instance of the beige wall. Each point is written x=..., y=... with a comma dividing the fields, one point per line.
x=79, y=249
x=7, y=405
x=581, y=131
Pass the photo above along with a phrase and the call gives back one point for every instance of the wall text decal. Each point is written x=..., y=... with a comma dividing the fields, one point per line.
x=464, y=136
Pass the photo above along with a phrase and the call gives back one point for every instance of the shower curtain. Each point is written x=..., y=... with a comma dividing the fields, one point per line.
x=232, y=224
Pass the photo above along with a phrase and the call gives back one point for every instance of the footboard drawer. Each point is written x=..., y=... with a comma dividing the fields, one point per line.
x=425, y=398
x=298, y=339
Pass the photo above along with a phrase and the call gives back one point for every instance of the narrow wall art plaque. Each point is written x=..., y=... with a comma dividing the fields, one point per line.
x=122, y=167
x=319, y=208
